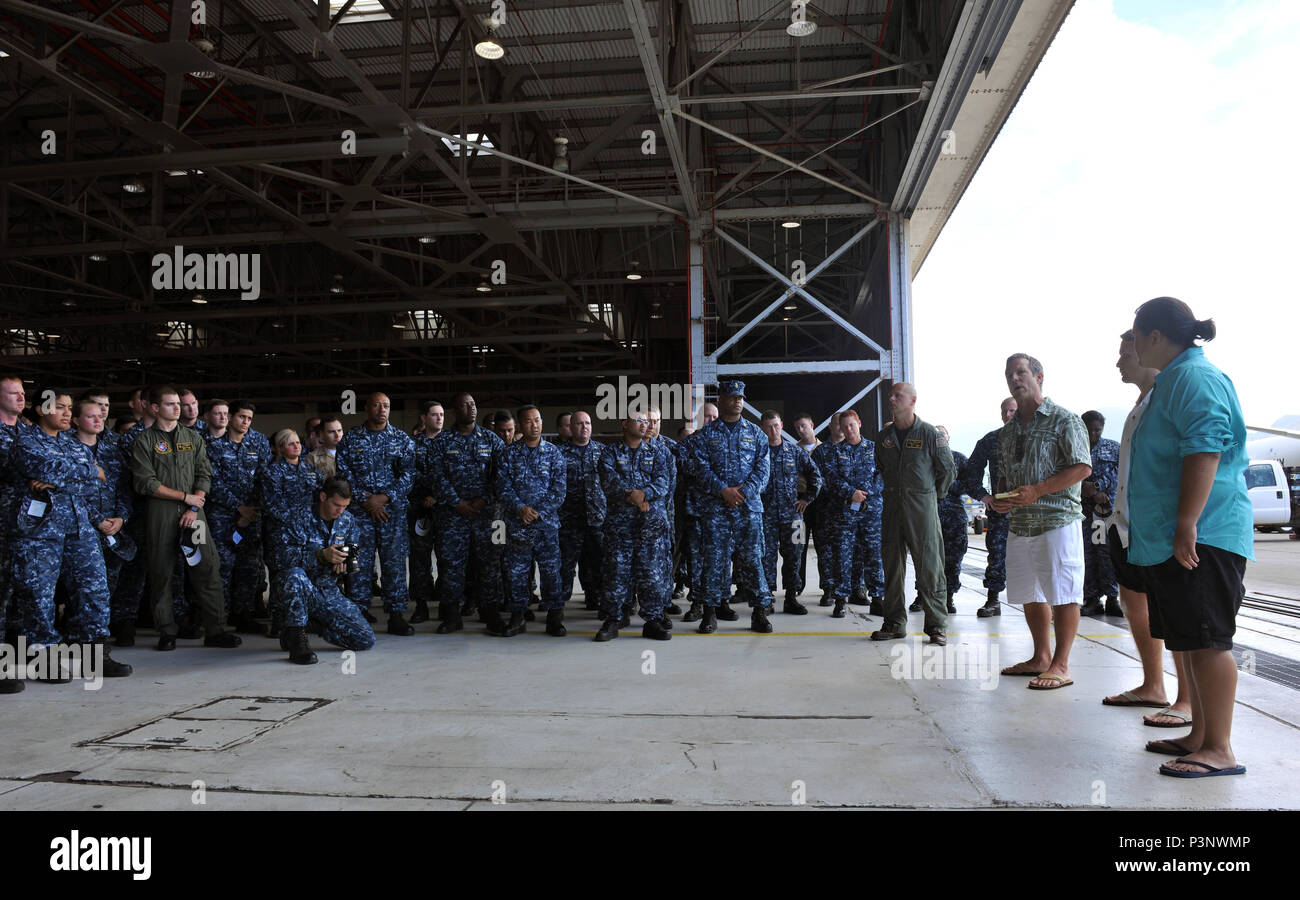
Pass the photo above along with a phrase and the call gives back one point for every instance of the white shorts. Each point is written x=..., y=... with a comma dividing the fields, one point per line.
x=1046, y=568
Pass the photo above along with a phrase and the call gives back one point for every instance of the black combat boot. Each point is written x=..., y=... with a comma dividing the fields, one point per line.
x=365, y=611
x=709, y=622
x=518, y=623
x=952, y=607
x=398, y=625
x=838, y=611
x=626, y=621
x=249, y=625
x=608, y=630
x=1093, y=608
x=491, y=615
x=859, y=597
x=451, y=620
x=726, y=613
x=110, y=667
x=421, y=613
x=1113, y=608
x=12, y=686
x=300, y=651
x=991, y=607
x=693, y=614
x=672, y=609
x=877, y=607
x=825, y=600
x=654, y=630
x=793, y=607
x=666, y=622
x=529, y=615
x=758, y=621
x=555, y=623
x=915, y=605
x=50, y=662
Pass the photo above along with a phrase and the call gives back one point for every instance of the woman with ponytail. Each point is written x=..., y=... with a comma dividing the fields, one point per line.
x=1191, y=524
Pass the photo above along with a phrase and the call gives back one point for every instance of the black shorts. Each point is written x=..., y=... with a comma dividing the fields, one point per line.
x=1128, y=575
x=1196, y=609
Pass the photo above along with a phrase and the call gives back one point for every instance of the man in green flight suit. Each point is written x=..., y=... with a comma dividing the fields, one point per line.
x=914, y=460
x=169, y=467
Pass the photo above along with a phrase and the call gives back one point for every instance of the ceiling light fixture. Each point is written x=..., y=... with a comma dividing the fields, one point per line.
x=199, y=298
x=561, y=161
x=789, y=223
x=634, y=275
x=488, y=48
x=337, y=286
x=484, y=287
x=428, y=238
x=133, y=187
x=790, y=306
x=97, y=257
x=800, y=25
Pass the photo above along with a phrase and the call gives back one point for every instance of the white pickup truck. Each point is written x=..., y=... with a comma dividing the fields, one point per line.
x=1269, y=494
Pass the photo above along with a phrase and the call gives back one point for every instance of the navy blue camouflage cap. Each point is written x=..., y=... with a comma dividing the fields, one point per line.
x=731, y=388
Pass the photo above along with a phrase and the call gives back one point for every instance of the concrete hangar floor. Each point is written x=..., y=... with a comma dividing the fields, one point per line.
x=814, y=714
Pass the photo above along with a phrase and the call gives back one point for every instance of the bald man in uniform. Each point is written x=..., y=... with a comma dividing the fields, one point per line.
x=917, y=468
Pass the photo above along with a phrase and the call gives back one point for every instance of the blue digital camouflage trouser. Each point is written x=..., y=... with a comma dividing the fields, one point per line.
x=389, y=539
x=953, y=523
x=781, y=536
x=635, y=548
x=995, y=542
x=465, y=541
x=339, y=619
x=540, y=544
x=421, y=587
x=868, y=563
x=241, y=564
x=37, y=566
x=580, y=552
x=848, y=539
x=1098, y=571
x=733, y=532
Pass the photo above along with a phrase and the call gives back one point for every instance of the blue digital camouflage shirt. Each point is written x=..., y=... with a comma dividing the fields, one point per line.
x=377, y=462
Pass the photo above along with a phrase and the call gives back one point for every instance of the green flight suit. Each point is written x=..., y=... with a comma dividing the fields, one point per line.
x=178, y=460
x=916, y=475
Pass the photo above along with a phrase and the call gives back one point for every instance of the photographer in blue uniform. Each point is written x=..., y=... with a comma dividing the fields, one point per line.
x=310, y=562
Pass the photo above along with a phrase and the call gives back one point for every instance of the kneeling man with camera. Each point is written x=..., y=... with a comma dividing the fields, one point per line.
x=319, y=551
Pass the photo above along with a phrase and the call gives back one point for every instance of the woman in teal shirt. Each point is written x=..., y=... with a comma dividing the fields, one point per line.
x=1191, y=525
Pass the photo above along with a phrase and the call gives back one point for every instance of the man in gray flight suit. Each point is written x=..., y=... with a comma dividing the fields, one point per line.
x=917, y=468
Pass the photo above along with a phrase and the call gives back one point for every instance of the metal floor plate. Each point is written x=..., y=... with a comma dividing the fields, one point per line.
x=215, y=725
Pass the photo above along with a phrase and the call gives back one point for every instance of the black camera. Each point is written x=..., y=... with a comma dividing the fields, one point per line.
x=352, y=560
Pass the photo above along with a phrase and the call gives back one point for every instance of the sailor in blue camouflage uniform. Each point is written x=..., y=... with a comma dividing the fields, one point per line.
x=985, y=455
x=420, y=524
x=238, y=455
x=53, y=537
x=289, y=486
x=955, y=527
x=732, y=468
x=1098, y=491
x=12, y=400
x=464, y=473
x=309, y=565
x=378, y=461
x=108, y=506
x=784, y=504
x=654, y=422
x=580, y=526
x=531, y=485
x=634, y=481
x=848, y=469
x=868, y=577
x=691, y=532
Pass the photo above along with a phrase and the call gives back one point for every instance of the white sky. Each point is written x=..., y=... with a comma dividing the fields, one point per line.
x=1154, y=152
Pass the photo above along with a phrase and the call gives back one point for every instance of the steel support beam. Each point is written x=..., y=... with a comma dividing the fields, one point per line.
x=900, y=366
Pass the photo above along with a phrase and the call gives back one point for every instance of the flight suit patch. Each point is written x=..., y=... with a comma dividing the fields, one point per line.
x=913, y=444
x=162, y=447
x=184, y=448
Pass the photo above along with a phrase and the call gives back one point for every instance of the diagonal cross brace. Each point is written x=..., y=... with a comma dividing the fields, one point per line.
x=830, y=313
x=861, y=233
